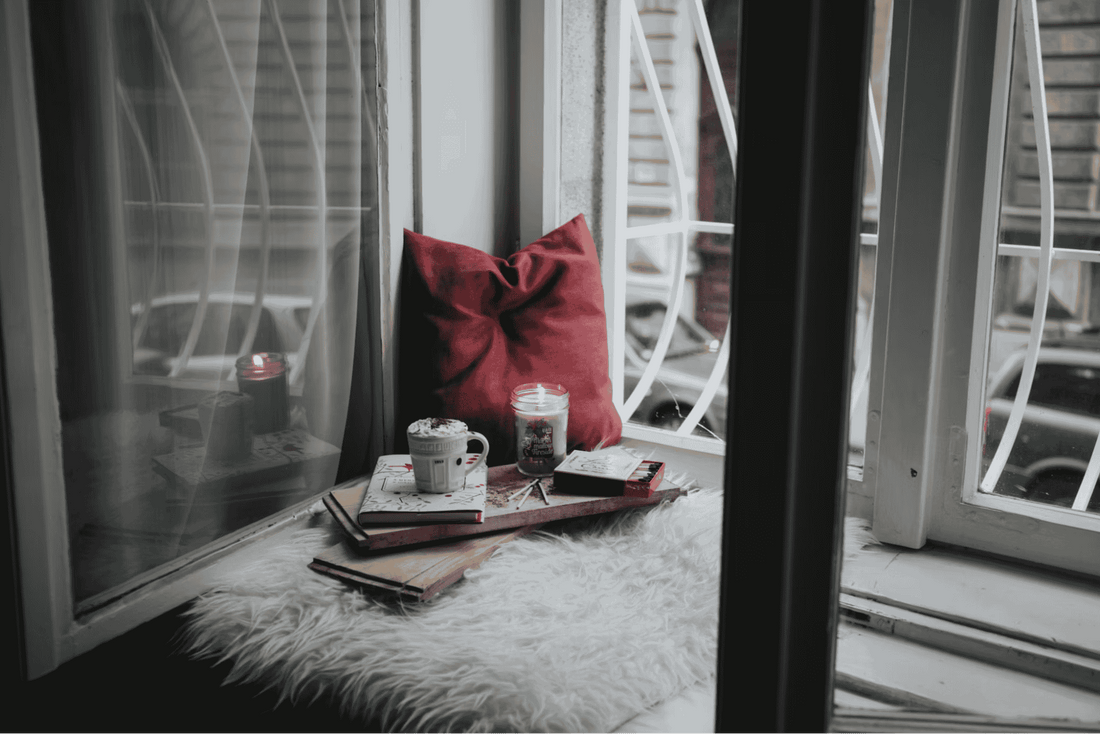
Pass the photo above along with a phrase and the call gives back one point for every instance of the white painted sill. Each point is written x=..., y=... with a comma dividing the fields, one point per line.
x=1018, y=619
x=175, y=583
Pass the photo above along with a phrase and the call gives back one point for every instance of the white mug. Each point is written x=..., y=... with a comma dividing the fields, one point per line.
x=438, y=450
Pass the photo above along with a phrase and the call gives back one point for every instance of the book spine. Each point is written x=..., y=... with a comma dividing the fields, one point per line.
x=343, y=519
x=582, y=484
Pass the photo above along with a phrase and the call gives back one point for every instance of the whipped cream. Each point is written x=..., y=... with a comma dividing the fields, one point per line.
x=437, y=427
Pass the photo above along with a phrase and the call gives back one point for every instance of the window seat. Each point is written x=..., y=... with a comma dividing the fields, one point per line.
x=580, y=632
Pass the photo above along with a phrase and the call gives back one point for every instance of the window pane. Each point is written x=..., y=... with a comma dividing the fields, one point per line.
x=679, y=174
x=229, y=154
x=868, y=247
x=1046, y=458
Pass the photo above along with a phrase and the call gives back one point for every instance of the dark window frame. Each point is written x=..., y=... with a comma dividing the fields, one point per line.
x=800, y=175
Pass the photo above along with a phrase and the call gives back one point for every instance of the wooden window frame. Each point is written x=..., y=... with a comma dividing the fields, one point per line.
x=944, y=145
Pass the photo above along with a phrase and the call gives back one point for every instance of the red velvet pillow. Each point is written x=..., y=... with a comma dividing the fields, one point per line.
x=474, y=326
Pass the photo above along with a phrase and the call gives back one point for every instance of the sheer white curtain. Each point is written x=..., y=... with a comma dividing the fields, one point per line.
x=233, y=162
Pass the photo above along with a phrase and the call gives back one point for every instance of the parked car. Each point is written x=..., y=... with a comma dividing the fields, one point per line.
x=679, y=383
x=282, y=324
x=1060, y=424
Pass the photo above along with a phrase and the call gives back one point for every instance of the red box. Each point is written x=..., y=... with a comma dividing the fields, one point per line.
x=645, y=479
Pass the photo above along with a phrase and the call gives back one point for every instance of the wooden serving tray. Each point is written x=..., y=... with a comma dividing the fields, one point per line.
x=500, y=514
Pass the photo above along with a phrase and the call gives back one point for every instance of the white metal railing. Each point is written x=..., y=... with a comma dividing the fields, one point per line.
x=165, y=57
x=682, y=226
x=264, y=186
x=154, y=204
x=668, y=135
x=321, y=279
x=212, y=209
x=1046, y=244
x=1046, y=254
x=862, y=373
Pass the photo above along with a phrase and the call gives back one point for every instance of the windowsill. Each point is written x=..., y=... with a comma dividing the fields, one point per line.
x=937, y=615
x=948, y=631
x=174, y=584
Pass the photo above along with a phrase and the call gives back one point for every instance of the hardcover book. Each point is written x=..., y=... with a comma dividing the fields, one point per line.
x=391, y=497
x=501, y=513
x=417, y=574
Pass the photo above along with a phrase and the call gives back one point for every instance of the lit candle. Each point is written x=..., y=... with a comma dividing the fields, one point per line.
x=542, y=417
x=263, y=376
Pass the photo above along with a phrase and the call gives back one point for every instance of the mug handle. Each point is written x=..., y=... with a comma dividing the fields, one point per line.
x=484, y=454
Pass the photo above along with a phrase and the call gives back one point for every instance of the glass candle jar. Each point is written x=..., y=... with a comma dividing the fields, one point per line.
x=542, y=416
x=263, y=377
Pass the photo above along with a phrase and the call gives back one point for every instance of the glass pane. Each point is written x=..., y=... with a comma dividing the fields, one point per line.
x=872, y=165
x=230, y=154
x=655, y=263
x=1047, y=458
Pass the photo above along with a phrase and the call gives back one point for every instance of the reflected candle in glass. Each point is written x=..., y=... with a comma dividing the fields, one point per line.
x=542, y=416
x=263, y=377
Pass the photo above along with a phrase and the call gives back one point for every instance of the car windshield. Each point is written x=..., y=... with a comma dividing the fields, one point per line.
x=643, y=326
x=223, y=330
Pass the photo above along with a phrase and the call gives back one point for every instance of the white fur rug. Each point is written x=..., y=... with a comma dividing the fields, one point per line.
x=554, y=633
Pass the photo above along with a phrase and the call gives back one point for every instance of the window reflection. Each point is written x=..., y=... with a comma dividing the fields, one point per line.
x=206, y=207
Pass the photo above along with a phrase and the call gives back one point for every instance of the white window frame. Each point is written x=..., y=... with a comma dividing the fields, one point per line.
x=937, y=244
x=52, y=633
x=539, y=118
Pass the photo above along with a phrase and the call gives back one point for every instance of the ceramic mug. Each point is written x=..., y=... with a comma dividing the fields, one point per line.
x=438, y=450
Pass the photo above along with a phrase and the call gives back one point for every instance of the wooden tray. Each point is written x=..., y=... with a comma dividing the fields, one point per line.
x=500, y=514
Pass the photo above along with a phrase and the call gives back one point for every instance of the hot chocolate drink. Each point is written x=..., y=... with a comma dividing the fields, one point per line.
x=437, y=447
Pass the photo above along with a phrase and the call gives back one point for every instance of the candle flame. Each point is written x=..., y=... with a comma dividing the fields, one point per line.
x=257, y=360
x=542, y=395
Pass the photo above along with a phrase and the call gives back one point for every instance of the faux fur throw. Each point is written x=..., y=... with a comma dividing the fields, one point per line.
x=573, y=632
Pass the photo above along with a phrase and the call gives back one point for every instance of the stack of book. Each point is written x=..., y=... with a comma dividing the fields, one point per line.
x=414, y=545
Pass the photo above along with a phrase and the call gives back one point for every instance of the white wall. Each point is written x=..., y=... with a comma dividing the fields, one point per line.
x=467, y=126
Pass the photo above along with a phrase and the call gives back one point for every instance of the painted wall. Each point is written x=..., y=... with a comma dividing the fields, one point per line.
x=468, y=118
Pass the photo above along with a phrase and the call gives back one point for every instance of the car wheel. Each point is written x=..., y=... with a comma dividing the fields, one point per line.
x=1057, y=487
x=670, y=417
